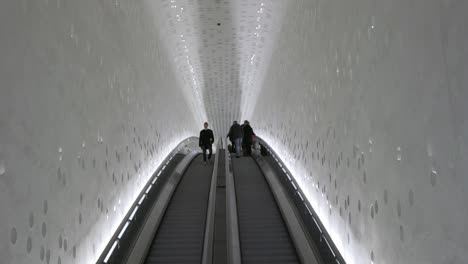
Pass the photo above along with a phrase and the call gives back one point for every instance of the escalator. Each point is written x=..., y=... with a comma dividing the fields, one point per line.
x=234, y=211
x=263, y=235
x=180, y=236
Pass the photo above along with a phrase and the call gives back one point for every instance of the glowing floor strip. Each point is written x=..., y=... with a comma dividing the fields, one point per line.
x=133, y=213
x=109, y=254
x=123, y=230
x=149, y=188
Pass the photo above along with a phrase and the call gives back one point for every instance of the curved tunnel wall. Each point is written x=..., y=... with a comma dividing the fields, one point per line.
x=89, y=107
x=366, y=103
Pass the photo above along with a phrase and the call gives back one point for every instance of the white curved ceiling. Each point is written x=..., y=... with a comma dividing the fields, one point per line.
x=220, y=50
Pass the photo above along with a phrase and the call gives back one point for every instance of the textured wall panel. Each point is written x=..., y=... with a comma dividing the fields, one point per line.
x=220, y=50
x=89, y=106
x=366, y=102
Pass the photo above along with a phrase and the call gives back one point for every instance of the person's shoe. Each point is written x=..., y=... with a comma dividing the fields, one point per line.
x=204, y=163
x=237, y=156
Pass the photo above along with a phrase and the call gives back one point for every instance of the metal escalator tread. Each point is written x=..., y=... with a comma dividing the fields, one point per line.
x=263, y=235
x=179, y=238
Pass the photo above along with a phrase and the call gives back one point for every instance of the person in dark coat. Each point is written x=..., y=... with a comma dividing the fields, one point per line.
x=235, y=136
x=247, y=140
x=206, y=141
x=242, y=137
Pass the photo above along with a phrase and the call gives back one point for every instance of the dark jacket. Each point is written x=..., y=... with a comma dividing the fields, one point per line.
x=235, y=132
x=248, y=133
x=206, y=138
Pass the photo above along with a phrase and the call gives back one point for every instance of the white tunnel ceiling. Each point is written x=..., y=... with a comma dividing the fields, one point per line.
x=220, y=50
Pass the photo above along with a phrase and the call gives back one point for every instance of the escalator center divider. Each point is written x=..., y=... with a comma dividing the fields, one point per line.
x=219, y=236
x=232, y=219
x=207, y=255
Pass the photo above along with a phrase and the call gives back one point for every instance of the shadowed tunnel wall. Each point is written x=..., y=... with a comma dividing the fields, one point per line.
x=366, y=103
x=89, y=106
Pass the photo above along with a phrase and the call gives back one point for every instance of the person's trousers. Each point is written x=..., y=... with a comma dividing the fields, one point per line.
x=233, y=144
x=237, y=142
x=248, y=150
x=210, y=151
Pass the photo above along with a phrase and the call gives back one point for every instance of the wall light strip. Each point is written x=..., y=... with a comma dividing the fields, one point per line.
x=133, y=213
x=294, y=185
x=313, y=218
x=328, y=244
x=307, y=207
x=123, y=230
x=109, y=254
x=300, y=196
x=149, y=188
x=141, y=199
